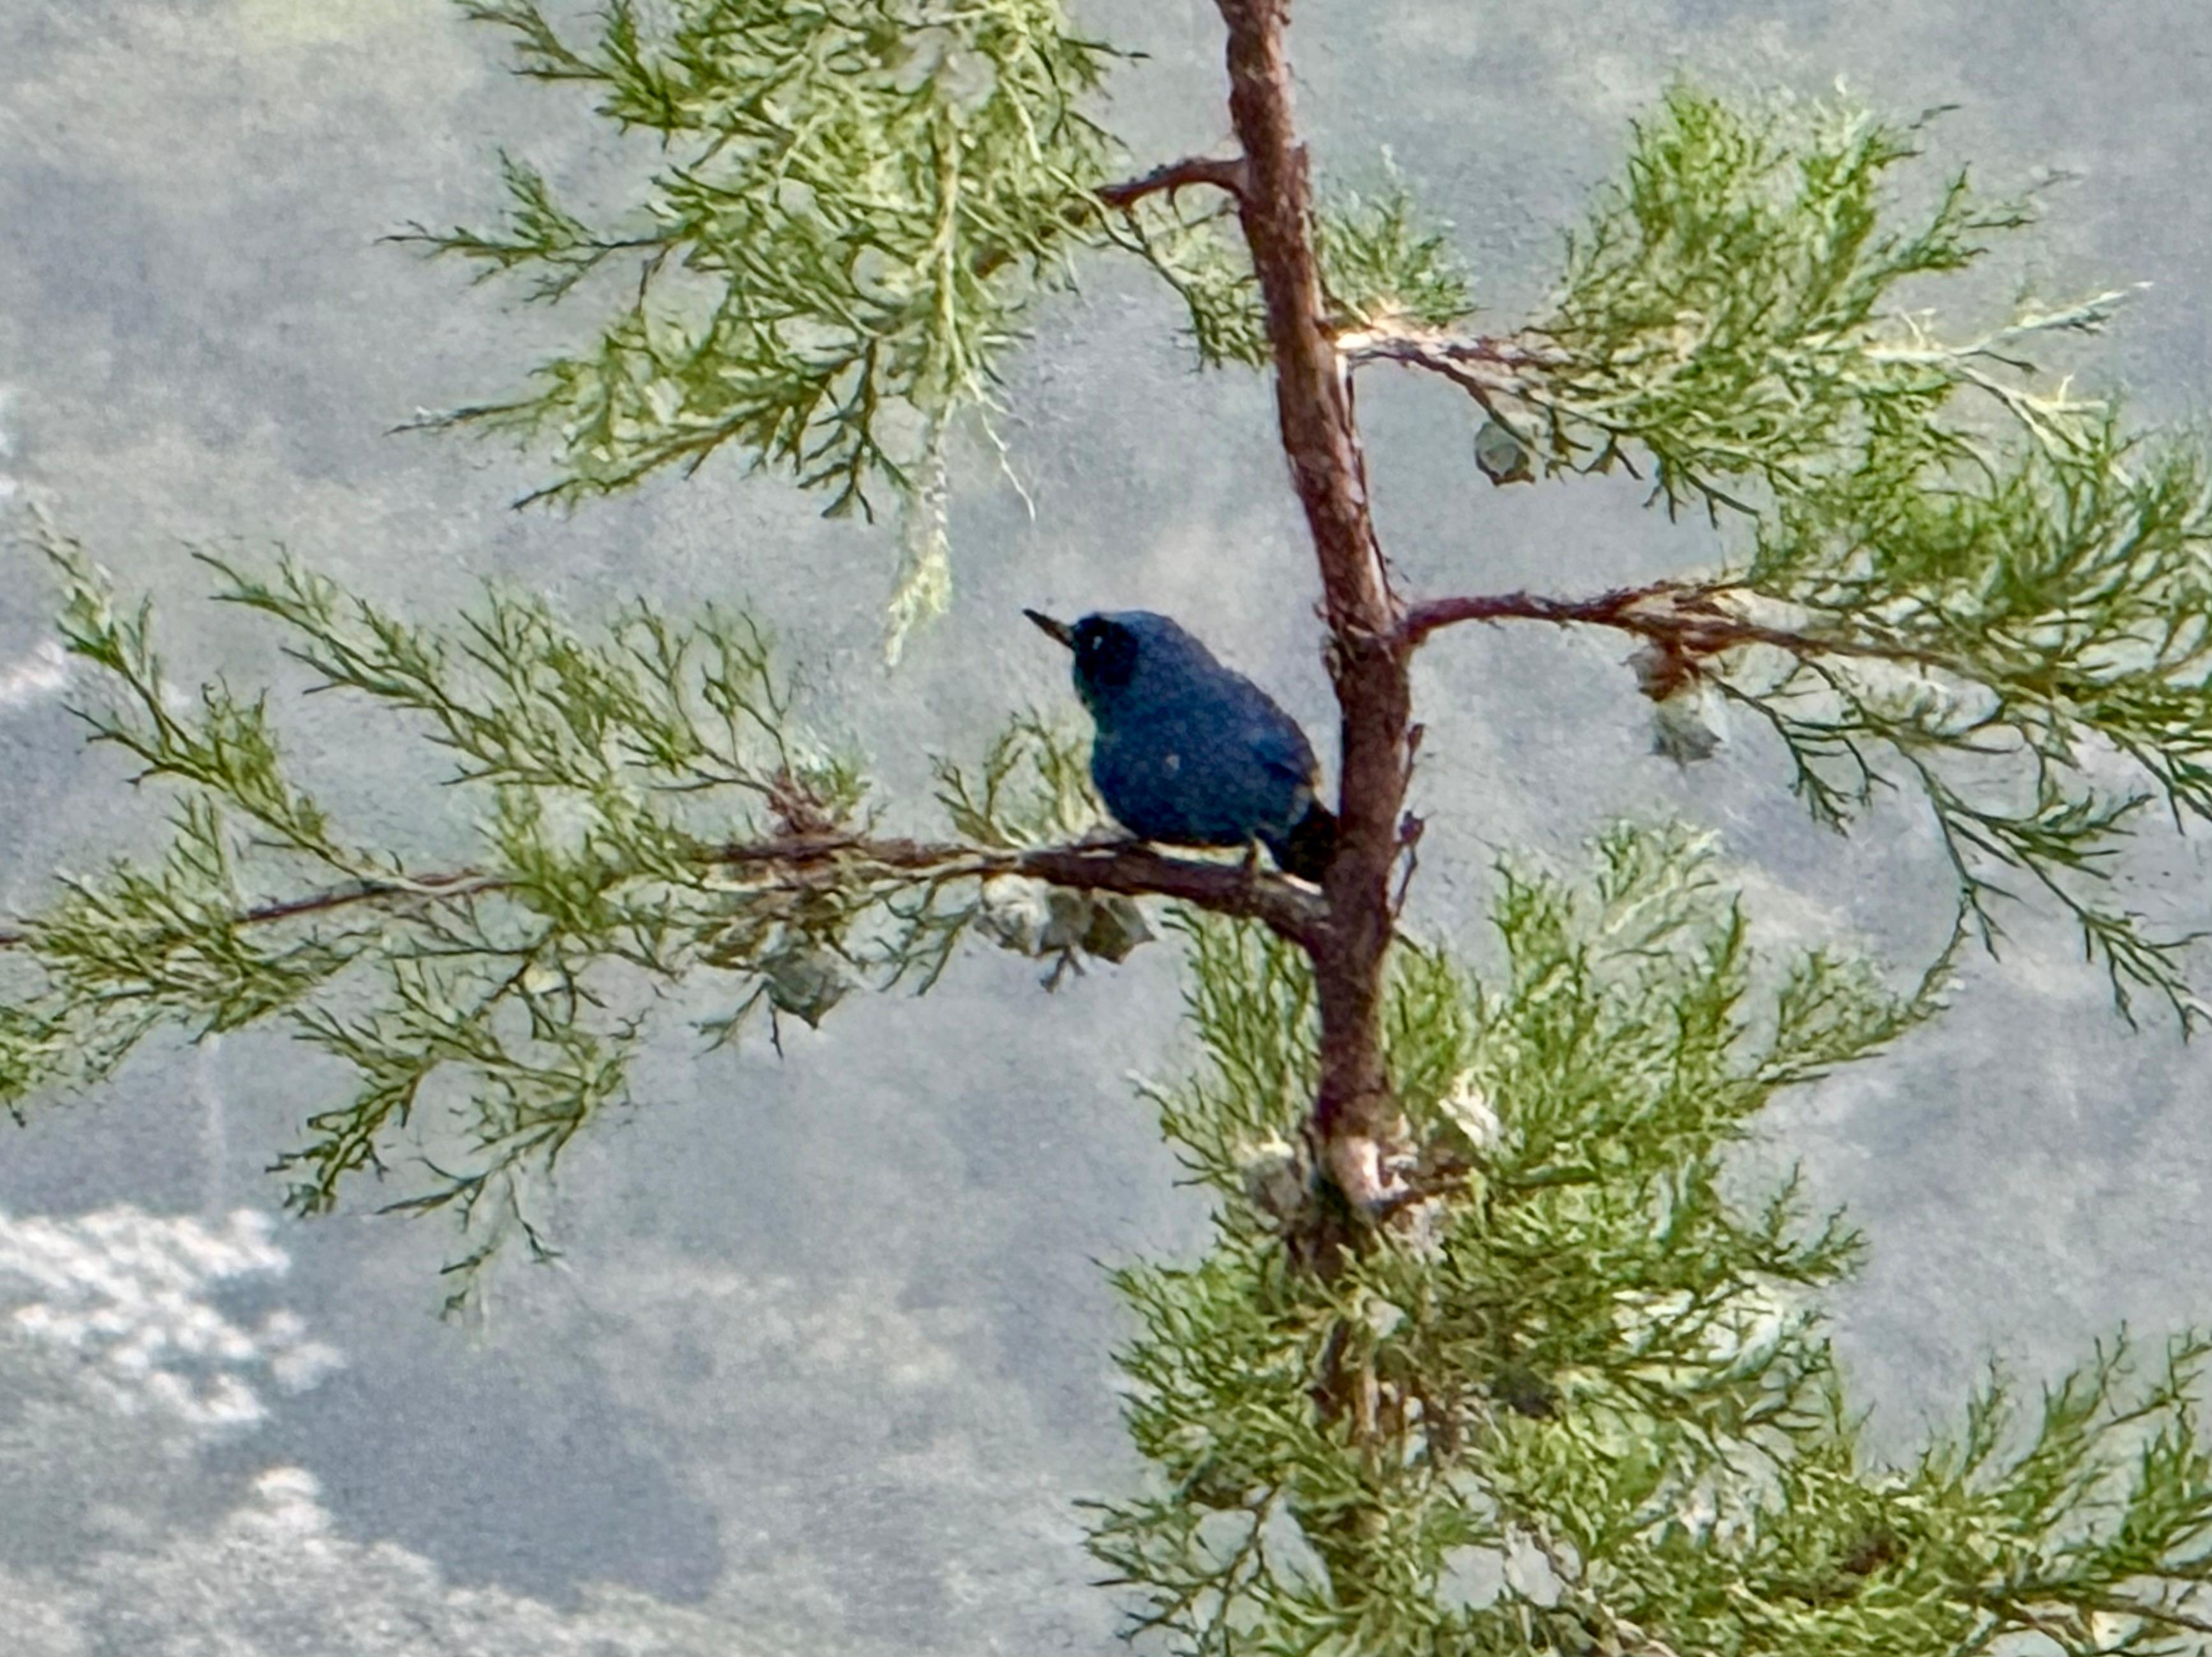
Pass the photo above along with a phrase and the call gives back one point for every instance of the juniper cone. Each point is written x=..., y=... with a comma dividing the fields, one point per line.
x=1189, y=752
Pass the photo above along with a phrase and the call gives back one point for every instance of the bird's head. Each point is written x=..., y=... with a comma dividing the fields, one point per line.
x=1109, y=649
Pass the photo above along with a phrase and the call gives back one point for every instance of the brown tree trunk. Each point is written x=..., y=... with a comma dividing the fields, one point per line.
x=1354, y=1114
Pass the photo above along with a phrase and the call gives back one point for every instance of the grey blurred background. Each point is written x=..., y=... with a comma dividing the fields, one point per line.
x=828, y=1359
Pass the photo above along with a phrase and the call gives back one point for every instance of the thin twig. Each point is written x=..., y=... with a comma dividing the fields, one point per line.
x=443, y=888
x=1478, y=364
x=1222, y=174
x=1133, y=871
x=1683, y=616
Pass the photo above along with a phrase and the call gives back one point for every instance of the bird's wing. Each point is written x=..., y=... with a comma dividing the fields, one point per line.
x=1282, y=748
x=1274, y=737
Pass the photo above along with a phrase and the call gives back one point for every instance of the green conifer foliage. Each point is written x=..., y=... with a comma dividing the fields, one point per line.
x=1497, y=1354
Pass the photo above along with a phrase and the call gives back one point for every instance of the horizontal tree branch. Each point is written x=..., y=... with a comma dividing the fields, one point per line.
x=1482, y=367
x=1682, y=616
x=1130, y=869
x=1222, y=174
x=1133, y=870
x=2018, y=1605
x=442, y=887
x=2116, y=1604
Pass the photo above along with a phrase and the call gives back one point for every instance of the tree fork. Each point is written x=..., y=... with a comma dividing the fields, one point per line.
x=1355, y=1116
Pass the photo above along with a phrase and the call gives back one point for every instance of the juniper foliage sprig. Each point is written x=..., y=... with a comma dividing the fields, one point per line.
x=1727, y=309
x=488, y=1010
x=2038, y=669
x=1990, y=596
x=1385, y=264
x=1591, y=1406
x=853, y=211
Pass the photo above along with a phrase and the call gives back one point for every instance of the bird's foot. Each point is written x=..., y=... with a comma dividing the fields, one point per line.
x=1248, y=871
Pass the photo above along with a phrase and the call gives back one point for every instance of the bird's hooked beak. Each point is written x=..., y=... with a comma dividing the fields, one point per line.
x=1059, y=630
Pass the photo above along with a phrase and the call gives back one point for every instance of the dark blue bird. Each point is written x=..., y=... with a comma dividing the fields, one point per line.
x=1189, y=752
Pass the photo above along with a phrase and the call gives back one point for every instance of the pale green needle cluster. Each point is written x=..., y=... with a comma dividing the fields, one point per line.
x=854, y=209
x=1589, y=1404
x=655, y=810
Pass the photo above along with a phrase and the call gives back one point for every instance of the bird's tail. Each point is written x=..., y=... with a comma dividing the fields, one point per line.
x=1306, y=850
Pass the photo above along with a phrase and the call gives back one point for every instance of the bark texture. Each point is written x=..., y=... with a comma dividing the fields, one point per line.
x=1354, y=1114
